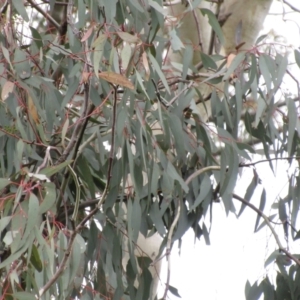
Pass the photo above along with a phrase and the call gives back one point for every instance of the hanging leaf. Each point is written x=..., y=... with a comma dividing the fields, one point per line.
x=98, y=46
x=7, y=88
x=19, y=6
x=32, y=110
x=214, y=23
x=129, y=38
x=35, y=259
x=261, y=208
x=116, y=78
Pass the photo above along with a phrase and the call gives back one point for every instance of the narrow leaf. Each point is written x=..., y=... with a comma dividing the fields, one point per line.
x=117, y=79
x=129, y=38
x=214, y=23
x=261, y=208
x=35, y=258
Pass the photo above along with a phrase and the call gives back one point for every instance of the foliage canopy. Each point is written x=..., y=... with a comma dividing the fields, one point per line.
x=91, y=118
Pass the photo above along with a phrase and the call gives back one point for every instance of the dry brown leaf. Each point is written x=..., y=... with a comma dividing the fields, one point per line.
x=8, y=87
x=85, y=77
x=32, y=110
x=117, y=79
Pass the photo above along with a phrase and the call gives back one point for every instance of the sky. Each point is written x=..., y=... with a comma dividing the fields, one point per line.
x=236, y=253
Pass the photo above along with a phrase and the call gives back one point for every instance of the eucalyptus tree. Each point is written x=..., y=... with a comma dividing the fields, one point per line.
x=122, y=124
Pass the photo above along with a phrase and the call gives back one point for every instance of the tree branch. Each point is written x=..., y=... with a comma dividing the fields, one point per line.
x=175, y=221
x=198, y=30
x=268, y=160
x=45, y=14
x=78, y=228
x=266, y=219
x=294, y=8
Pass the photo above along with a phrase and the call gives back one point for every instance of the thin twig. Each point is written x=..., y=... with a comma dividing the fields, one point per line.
x=182, y=91
x=75, y=31
x=45, y=14
x=213, y=35
x=198, y=29
x=78, y=132
x=78, y=228
x=294, y=8
x=266, y=219
x=168, y=248
x=296, y=80
x=268, y=160
x=40, y=144
x=112, y=147
x=74, y=143
x=79, y=124
x=175, y=221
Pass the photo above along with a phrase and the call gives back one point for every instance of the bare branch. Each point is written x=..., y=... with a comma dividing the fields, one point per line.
x=268, y=160
x=266, y=219
x=198, y=29
x=45, y=14
x=294, y=8
x=175, y=221
x=78, y=228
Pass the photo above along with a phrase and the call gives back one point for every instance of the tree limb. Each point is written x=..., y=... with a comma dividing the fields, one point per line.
x=45, y=14
x=78, y=228
x=294, y=8
x=175, y=221
x=266, y=219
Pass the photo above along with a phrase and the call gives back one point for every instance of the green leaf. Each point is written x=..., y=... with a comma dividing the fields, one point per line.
x=4, y=221
x=159, y=72
x=98, y=45
x=263, y=224
x=282, y=68
x=19, y=6
x=187, y=60
x=174, y=174
x=129, y=38
x=49, y=199
x=76, y=256
x=35, y=258
x=205, y=188
x=174, y=291
x=49, y=171
x=33, y=215
x=261, y=108
x=265, y=71
x=297, y=57
x=282, y=211
x=214, y=24
x=6, y=54
x=14, y=256
x=229, y=170
x=249, y=192
x=156, y=218
x=234, y=65
x=157, y=7
x=261, y=208
x=21, y=64
x=24, y=296
x=208, y=62
x=4, y=182
x=292, y=118
x=176, y=43
x=254, y=293
x=176, y=127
